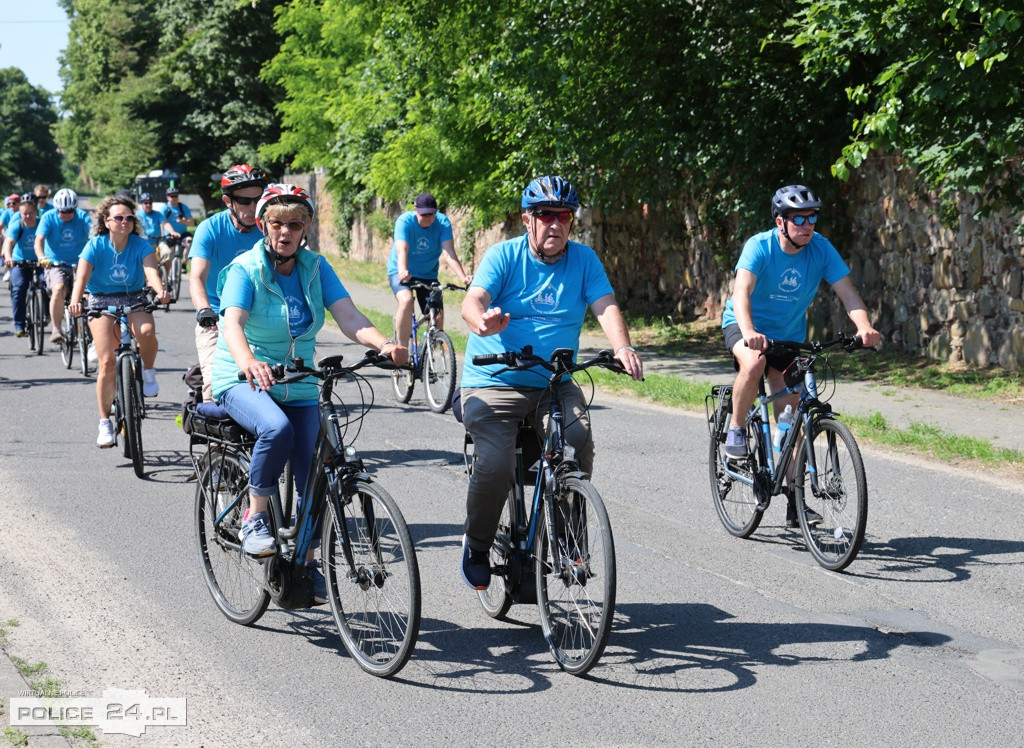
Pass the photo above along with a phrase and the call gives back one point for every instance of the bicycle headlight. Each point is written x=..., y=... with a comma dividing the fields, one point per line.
x=350, y=451
x=569, y=452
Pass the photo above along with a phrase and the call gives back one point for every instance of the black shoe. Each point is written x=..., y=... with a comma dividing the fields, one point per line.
x=475, y=567
x=813, y=518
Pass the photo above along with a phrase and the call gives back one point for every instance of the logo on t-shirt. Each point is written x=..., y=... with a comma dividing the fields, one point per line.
x=296, y=308
x=67, y=235
x=544, y=302
x=423, y=244
x=791, y=281
x=119, y=273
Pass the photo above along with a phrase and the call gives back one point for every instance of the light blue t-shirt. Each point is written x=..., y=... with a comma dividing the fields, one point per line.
x=63, y=241
x=172, y=215
x=5, y=216
x=24, y=239
x=424, y=244
x=150, y=223
x=219, y=242
x=786, y=284
x=546, y=304
x=116, y=272
x=239, y=291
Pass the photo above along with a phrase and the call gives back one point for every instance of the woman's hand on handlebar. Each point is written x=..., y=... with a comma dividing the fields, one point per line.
x=258, y=374
x=75, y=308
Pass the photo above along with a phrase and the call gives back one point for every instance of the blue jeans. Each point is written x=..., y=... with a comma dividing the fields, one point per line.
x=20, y=278
x=283, y=433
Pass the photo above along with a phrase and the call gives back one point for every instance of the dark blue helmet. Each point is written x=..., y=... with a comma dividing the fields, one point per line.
x=550, y=192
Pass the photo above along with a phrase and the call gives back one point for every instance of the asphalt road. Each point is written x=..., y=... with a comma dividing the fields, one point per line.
x=716, y=641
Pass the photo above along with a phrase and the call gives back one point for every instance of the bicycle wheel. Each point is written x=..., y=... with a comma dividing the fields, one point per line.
x=439, y=370
x=403, y=380
x=373, y=580
x=497, y=598
x=30, y=319
x=735, y=501
x=132, y=416
x=175, y=288
x=235, y=579
x=84, y=337
x=840, y=497
x=67, y=340
x=39, y=317
x=576, y=580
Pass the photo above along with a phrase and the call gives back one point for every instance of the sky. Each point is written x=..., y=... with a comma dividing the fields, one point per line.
x=32, y=35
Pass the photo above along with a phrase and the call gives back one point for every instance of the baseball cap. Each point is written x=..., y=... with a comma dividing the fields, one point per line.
x=425, y=204
x=172, y=191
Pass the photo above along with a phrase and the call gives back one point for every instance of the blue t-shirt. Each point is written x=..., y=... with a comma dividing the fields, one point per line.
x=239, y=292
x=63, y=241
x=150, y=223
x=424, y=244
x=219, y=242
x=786, y=284
x=116, y=272
x=547, y=304
x=24, y=239
x=44, y=209
x=5, y=216
x=172, y=215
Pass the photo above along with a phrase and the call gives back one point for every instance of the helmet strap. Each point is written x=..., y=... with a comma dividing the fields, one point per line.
x=238, y=219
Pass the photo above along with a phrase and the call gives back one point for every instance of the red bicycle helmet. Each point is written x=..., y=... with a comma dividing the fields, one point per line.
x=276, y=194
x=242, y=175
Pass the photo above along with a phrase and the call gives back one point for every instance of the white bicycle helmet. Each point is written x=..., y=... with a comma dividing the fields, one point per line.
x=65, y=200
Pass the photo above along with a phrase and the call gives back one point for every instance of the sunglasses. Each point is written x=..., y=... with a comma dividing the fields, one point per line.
x=547, y=216
x=293, y=226
x=243, y=200
x=801, y=220
x=122, y=219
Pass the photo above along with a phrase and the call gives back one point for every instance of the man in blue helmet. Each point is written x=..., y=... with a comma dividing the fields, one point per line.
x=777, y=278
x=532, y=290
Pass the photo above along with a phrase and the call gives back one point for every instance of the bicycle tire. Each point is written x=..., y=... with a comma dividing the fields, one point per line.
x=175, y=278
x=439, y=370
x=39, y=317
x=376, y=599
x=30, y=319
x=132, y=416
x=83, y=345
x=235, y=580
x=497, y=598
x=736, y=503
x=576, y=582
x=67, y=340
x=835, y=542
x=404, y=379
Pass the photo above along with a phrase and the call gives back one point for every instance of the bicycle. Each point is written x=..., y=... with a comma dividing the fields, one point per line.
x=433, y=362
x=37, y=305
x=172, y=278
x=69, y=326
x=829, y=477
x=566, y=537
x=369, y=560
x=129, y=406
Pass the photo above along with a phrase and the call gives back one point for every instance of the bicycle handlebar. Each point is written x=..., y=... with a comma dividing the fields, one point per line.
x=328, y=367
x=848, y=343
x=119, y=311
x=560, y=362
x=412, y=283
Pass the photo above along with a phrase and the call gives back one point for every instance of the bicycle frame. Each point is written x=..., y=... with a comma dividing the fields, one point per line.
x=430, y=318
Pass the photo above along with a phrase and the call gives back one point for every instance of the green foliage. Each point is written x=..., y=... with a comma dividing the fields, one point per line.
x=28, y=152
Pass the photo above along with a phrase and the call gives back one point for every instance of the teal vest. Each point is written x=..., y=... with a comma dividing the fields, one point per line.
x=267, y=328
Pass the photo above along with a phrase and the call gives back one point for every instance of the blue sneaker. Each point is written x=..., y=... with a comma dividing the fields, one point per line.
x=736, y=444
x=255, y=536
x=319, y=583
x=475, y=567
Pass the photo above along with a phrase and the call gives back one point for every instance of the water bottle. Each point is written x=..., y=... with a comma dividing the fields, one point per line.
x=783, y=427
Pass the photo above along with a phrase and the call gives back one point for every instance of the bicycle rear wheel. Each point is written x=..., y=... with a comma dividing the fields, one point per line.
x=373, y=580
x=175, y=288
x=497, y=598
x=439, y=370
x=576, y=579
x=132, y=416
x=235, y=579
x=67, y=340
x=735, y=501
x=84, y=337
x=840, y=497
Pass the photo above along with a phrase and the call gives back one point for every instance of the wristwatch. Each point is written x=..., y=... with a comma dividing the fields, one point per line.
x=620, y=349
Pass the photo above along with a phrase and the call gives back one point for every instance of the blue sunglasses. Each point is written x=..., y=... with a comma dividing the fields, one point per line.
x=801, y=220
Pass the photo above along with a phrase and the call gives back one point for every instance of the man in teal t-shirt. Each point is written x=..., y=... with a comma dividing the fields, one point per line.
x=60, y=239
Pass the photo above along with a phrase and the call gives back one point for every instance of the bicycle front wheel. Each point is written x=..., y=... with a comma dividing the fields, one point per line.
x=132, y=416
x=31, y=312
x=373, y=580
x=439, y=370
x=39, y=317
x=67, y=340
x=735, y=500
x=576, y=578
x=497, y=598
x=839, y=495
x=83, y=345
x=234, y=578
x=175, y=288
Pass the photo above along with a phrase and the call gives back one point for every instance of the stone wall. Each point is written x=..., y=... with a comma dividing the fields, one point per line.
x=954, y=295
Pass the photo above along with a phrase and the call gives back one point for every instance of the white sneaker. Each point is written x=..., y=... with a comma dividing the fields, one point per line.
x=7, y=276
x=92, y=355
x=106, y=439
x=150, y=388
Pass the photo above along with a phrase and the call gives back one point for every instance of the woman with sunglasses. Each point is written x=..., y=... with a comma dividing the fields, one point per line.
x=777, y=278
x=115, y=267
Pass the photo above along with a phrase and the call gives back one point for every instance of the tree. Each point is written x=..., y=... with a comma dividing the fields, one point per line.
x=28, y=152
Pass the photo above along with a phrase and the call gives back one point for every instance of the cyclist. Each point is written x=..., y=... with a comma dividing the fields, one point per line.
x=11, y=203
x=60, y=238
x=422, y=237
x=19, y=246
x=150, y=220
x=280, y=281
x=217, y=241
x=115, y=267
x=533, y=290
x=777, y=278
x=176, y=219
x=42, y=193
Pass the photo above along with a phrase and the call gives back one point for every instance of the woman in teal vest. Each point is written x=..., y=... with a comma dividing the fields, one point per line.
x=279, y=280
